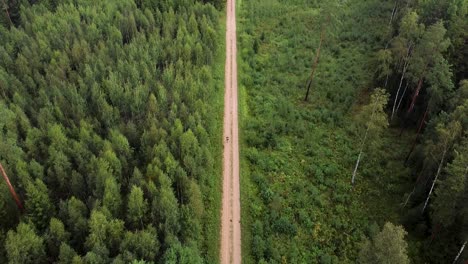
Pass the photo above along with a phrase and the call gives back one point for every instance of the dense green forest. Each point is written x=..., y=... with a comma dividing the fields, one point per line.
x=354, y=142
x=110, y=131
x=355, y=117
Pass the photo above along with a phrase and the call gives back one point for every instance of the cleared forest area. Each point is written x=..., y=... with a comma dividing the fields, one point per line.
x=354, y=128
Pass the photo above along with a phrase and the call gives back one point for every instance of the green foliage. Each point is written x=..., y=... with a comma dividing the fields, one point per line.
x=24, y=245
x=373, y=116
x=137, y=208
x=383, y=62
x=450, y=194
x=388, y=246
x=179, y=254
x=164, y=208
x=297, y=158
x=140, y=245
x=38, y=204
x=68, y=255
x=296, y=153
x=56, y=237
x=112, y=200
x=105, y=234
x=98, y=100
x=74, y=214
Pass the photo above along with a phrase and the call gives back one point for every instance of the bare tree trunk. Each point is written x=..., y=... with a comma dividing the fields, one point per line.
x=314, y=68
x=393, y=12
x=460, y=252
x=398, y=91
x=401, y=98
x=5, y=6
x=416, y=93
x=356, y=167
x=363, y=144
x=417, y=134
x=408, y=198
x=12, y=190
x=316, y=60
x=436, y=177
x=359, y=157
x=405, y=67
x=414, y=188
x=386, y=80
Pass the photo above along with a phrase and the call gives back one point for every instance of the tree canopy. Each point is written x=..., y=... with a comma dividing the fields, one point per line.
x=105, y=131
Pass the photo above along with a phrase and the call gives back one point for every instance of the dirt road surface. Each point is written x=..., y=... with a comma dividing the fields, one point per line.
x=230, y=215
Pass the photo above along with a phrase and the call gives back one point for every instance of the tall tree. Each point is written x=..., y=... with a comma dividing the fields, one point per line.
x=446, y=135
x=38, y=205
x=10, y=188
x=56, y=235
x=374, y=119
x=428, y=60
x=326, y=19
x=68, y=255
x=449, y=193
x=112, y=199
x=386, y=247
x=143, y=244
x=105, y=234
x=137, y=207
x=74, y=214
x=165, y=208
x=24, y=246
x=403, y=46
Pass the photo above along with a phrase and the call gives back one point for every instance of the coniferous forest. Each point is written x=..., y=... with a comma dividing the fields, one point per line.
x=353, y=131
x=108, y=123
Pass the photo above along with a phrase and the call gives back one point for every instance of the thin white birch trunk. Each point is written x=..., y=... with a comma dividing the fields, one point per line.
x=401, y=98
x=359, y=157
x=459, y=252
x=433, y=183
x=405, y=67
x=393, y=13
x=356, y=167
x=409, y=196
x=362, y=148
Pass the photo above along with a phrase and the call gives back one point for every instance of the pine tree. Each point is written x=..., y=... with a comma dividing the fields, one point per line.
x=24, y=246
x=56, y=236
x=112, y=199
x=39, y=208
x=137, y=207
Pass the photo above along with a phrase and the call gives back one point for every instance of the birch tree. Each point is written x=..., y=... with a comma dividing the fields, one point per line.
x=386, y=247
x=449, y=193
x=384, y=64
x=446, y=136
x=460, y=252
x=374, y=119
x=428, y=60
x=402, y=49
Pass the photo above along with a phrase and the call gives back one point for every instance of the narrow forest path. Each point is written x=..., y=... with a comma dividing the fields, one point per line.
x=230, y=215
